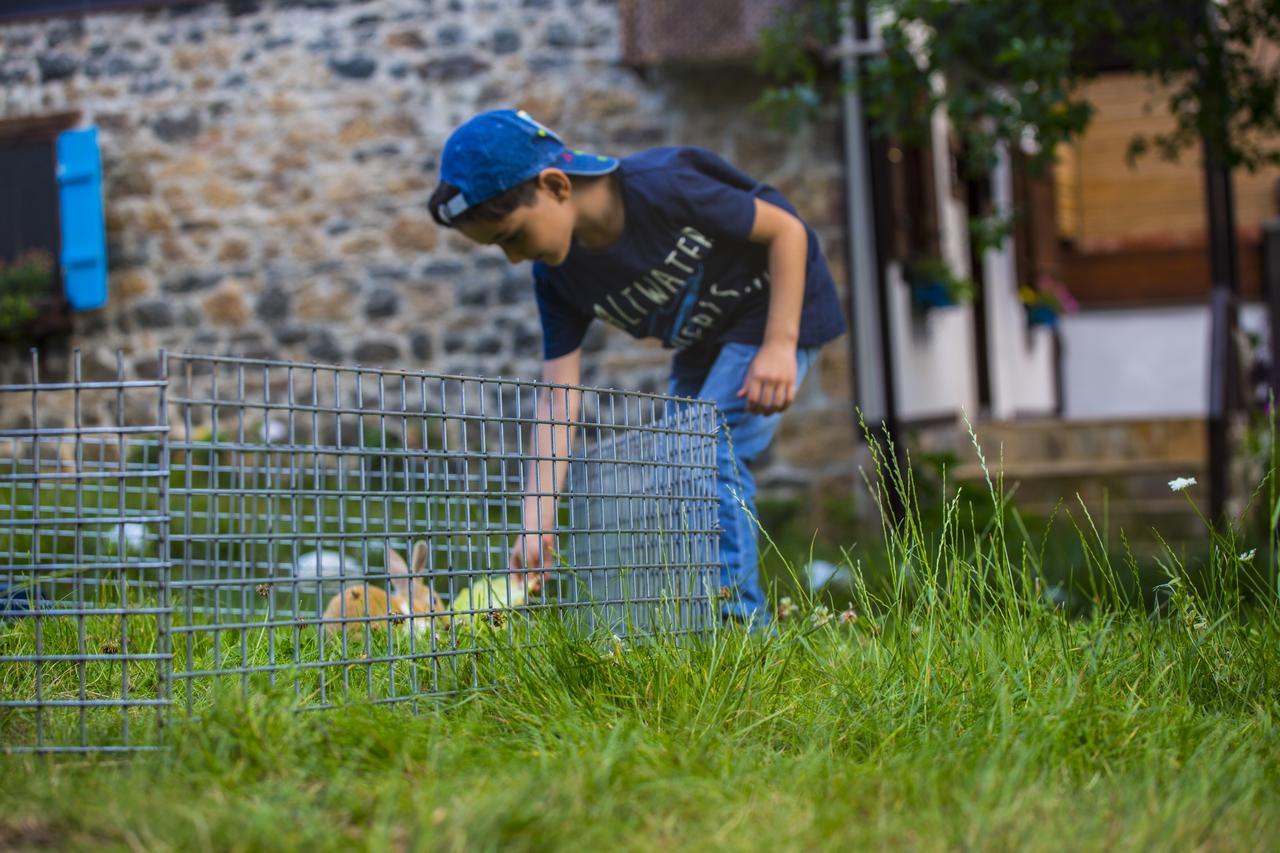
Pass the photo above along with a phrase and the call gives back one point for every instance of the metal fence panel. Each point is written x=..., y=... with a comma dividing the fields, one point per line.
x=642, y=518
x=84, y=610
x=299, y=489
x=339, y=533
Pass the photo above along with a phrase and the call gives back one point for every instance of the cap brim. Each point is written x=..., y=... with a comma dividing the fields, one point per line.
x=582, y=163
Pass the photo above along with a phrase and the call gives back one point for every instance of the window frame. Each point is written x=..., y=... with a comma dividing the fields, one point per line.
x=32, y=10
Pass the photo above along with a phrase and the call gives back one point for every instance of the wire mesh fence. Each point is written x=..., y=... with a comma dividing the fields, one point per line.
x=84, y=581
x=343, y=533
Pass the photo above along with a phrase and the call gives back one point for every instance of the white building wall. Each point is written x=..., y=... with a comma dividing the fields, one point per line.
x=934, y=357
x=1140, y=363
x=933, y=360
x=1021, y=359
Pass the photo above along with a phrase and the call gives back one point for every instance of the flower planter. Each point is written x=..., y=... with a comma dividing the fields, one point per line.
x=932, y=295
x=52, y=318
x=1042, y=315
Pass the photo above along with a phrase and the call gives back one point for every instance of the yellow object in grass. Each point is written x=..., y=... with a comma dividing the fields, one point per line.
x=488, y=596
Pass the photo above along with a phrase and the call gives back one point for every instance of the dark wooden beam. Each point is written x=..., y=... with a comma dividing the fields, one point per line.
x=39, y=128
x=21, y=10
x=1145, y=274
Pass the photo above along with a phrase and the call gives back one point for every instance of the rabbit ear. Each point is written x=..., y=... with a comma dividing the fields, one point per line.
x=395, y=563
x=419, y=558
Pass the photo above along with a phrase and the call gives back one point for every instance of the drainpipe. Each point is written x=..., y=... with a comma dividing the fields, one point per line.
x=870, y=345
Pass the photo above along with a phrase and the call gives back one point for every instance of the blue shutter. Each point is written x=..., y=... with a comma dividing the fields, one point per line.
x=84, y=232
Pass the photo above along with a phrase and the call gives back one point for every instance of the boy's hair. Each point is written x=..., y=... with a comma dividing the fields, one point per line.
x=486, y=211
x=498, y=206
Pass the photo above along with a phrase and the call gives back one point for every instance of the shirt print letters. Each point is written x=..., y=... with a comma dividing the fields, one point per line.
x=671, y=301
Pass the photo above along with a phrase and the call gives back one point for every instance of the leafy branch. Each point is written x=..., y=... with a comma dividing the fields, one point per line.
x=1011, y=72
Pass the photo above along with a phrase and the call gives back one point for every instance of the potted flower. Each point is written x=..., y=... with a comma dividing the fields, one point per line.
x=1047, y=301
x=934, y=285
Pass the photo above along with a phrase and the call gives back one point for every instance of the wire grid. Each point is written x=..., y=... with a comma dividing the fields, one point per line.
x=292, y=482
x=199, y=541
x=84, y=608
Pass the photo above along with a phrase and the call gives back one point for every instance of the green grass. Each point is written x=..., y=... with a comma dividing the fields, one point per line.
x=956, y=706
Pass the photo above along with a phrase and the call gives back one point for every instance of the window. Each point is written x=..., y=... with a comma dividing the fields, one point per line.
x=913, y=208
x=32, y=304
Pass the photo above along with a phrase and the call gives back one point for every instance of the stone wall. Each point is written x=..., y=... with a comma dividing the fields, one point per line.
x=267, y=166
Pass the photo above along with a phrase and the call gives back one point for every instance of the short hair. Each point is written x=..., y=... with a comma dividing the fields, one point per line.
x=489, y=210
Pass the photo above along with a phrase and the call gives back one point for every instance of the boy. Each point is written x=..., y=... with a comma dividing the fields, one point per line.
x=672, y=243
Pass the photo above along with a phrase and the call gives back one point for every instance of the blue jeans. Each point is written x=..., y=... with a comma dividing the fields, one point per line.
x=748, y=436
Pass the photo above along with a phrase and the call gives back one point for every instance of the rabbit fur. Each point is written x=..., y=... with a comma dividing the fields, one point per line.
x=411, y=600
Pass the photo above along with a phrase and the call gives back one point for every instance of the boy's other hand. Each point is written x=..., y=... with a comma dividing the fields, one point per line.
x=532, y=551
x=770, y=385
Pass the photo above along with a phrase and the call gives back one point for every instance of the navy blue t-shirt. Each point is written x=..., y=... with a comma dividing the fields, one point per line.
x=684, y=269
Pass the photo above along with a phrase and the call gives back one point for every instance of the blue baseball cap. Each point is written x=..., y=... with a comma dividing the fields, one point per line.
x=500, y=149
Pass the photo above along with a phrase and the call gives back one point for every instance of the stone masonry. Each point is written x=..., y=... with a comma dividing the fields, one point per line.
x=267, y=166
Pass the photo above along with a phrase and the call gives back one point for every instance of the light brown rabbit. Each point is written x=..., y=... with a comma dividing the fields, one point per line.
x=409, y=598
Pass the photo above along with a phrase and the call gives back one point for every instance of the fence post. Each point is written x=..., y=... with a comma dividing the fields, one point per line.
x=164, y=642
x=1271, y=292
x=1221, y=381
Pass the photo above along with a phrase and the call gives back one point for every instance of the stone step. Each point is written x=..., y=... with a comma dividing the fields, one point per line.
x=1172, y=439
x=1172, y=518
x=1142, y=480
x=1040, y=469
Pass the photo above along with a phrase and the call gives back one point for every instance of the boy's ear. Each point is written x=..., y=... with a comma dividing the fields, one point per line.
x=555, y=182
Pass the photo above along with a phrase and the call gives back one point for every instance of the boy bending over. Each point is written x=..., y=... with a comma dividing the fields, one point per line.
x=669, y=243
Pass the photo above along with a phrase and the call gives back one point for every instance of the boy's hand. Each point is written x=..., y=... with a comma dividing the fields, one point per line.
x=532, y=551
x=770, y=385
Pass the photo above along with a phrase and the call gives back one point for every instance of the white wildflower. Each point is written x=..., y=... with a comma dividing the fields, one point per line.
x=787, y=608
x=1181, y=483
x=848, y=617
x=820, y=616
x=1248, y=555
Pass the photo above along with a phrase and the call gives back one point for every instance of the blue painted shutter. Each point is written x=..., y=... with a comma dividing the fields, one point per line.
x=84, y=232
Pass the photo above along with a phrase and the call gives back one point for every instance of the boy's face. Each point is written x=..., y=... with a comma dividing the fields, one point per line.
x=541, y=231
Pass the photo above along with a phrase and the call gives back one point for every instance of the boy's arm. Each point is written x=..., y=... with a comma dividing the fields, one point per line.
x=770, y=385
x=550, y=442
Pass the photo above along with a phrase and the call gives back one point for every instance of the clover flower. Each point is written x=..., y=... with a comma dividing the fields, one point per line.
x=820, y=616
x=787, y=608
x=847, y=617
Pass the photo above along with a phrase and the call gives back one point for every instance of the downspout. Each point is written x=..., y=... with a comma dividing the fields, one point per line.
x=870, y=351
x=870, y=345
